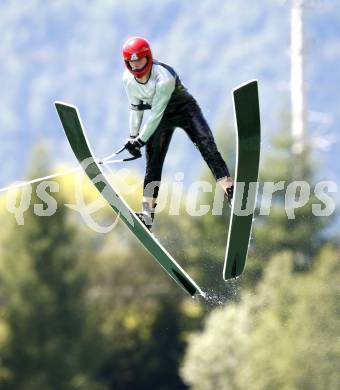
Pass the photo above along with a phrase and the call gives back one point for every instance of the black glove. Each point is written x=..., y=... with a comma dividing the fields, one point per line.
x=133, y=145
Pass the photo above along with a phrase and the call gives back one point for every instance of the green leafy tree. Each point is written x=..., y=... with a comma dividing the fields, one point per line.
x=302, y=232
x=50, y=342
x=284, y=337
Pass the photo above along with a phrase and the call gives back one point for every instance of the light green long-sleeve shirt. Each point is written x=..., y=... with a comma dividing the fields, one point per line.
x=154, y=95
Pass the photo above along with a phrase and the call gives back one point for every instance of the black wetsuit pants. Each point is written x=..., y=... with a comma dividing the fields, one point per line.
x=189, y=117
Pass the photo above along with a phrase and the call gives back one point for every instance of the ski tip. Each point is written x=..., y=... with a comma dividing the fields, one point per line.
x=65, y=104
x=245, y=84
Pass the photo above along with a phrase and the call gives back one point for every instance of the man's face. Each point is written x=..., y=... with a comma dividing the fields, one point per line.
x=138, y=64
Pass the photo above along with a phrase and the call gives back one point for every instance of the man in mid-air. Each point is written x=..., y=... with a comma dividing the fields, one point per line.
x=155, y=86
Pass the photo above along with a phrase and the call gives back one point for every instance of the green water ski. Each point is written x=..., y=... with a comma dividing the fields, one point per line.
x=76, y=136
x=247, y=114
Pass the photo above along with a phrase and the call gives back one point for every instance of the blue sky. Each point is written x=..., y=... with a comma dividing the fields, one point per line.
x=60, y=50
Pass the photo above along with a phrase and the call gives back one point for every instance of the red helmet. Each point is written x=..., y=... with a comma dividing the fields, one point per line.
x=134, y=49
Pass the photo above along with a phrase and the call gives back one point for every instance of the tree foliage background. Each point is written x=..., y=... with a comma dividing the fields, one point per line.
x=82, y=310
